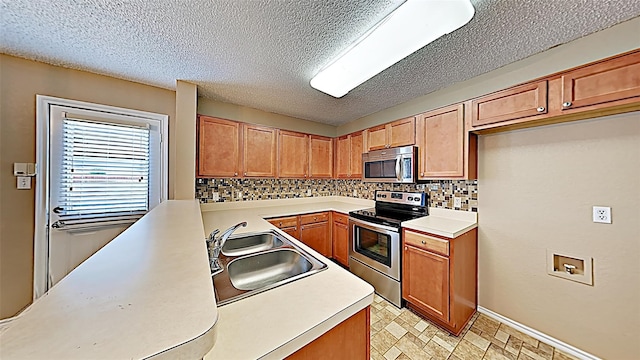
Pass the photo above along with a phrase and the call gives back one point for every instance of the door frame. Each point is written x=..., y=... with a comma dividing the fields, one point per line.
x=40, y=239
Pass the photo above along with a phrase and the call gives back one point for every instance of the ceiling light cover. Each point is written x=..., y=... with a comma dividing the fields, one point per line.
x=410, y=27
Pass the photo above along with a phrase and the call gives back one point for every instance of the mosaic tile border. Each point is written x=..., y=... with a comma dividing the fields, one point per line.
x=441, y=193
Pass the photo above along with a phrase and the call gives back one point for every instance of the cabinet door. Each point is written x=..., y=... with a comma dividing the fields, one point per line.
x=320, y=156
x=340, y=240
x=293, y=160
x=425, y=281
x=441, y=143
x=343, y=156
x=355, y=166
x=402, y=132
x=376, y=137
x=218, y=147
x=317, y=236
x=260, y=149
x=600, y=83
x=515, y=103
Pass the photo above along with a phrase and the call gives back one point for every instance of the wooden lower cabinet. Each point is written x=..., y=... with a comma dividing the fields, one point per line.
x=288, y=224
x=348, y=340
x=439, y=277
x=340, y=238
x=315, y=231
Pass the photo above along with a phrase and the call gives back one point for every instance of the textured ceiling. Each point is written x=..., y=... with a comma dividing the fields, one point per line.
x=262, y=53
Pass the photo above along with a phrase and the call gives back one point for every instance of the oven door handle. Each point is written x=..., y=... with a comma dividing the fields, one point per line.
x=372, y=226
x=399, y=168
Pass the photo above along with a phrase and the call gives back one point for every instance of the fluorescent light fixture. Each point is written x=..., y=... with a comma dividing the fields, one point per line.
x=410, y=27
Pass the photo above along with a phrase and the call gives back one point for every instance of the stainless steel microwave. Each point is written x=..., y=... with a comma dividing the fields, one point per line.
x=396, y=165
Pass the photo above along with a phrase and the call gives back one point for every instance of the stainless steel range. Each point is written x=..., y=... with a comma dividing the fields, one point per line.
x=375, y=235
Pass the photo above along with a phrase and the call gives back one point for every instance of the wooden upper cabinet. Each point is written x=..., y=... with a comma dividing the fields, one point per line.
x=355, y=151
x=320, y=156
x=377, y=137
x=260, y=146
x=397, y=133
x=293, y=161
x=343, y=156
x=515, y=103
x=518, y=102
x=402, y=132
x=218, y=147
x=603, y=82
x=349, y=156
x=440, y=140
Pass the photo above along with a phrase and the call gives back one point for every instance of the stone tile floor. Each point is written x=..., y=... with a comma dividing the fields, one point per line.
x=401, y=334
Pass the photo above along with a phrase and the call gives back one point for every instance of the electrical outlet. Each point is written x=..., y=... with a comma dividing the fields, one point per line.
x=355, y=193
x=240, y=195
x=215, y=196
x=602, y=214
x=457, y=202
x=308, y=192
x=434, y=187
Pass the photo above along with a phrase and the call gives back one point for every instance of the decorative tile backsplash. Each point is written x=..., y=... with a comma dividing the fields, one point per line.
x=441, y=193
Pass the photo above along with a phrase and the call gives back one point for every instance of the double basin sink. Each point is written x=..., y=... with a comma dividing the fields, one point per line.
x=258, y=262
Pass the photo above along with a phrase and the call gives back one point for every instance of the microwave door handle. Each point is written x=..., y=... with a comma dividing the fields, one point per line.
x=398, y=168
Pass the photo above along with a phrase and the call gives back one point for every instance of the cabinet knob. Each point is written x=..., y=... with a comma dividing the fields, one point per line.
x=235, y=174
x=280, y=223
x=295, y=228
x=406, y=248
x=305, y=175
x=245, y=174
x=315, y=218
x=422, y=174
x=423, y=242
x=541, y=109
x=567, y=104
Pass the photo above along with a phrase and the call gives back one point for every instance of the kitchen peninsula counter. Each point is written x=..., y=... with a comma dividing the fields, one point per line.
x=146, y=294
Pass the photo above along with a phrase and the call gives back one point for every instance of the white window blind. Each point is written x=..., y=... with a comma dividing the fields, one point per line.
x=105, y=172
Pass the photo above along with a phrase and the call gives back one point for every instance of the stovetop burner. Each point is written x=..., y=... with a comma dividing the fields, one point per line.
x=392, y=208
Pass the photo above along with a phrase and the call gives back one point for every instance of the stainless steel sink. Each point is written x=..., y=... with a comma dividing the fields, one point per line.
x=244, y=244
x=261, y=270
x=257, y=262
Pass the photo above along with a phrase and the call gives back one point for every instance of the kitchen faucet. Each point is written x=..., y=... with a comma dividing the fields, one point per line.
x=215, y=244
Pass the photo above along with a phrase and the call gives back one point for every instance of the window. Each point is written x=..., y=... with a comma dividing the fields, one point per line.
x=104, y=172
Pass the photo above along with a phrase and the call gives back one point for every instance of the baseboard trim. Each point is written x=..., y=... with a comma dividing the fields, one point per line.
x=562, y=346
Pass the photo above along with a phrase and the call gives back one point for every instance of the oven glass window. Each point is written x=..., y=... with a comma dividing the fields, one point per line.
x=382, y=169
x=373, y=245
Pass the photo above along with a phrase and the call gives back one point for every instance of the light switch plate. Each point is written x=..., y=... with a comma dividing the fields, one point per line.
x=457, y=202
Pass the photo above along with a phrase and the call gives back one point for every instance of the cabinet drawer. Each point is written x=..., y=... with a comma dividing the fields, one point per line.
x=427, y=242
x=314, y=218
x=284, y=221
x=340, y=218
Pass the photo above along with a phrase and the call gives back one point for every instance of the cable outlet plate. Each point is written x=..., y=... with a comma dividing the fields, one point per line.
x=602, y=214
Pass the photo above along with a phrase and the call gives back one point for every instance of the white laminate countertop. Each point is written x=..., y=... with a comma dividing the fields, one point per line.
x=280, y=321
x=276, y=323
x=145, y=294
x=444, y=222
